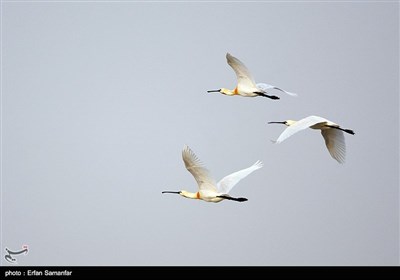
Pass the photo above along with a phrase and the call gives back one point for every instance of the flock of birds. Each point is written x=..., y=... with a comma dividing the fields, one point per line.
x=211, y=191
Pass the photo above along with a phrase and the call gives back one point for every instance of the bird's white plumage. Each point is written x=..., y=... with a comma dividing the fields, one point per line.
x=334, y=141
x=333, y=136
x=228, y=182
x=204, y=179
x=196, y=168
x=265, y=87
x=246, y=84
x=299, y=126
x=243, y=75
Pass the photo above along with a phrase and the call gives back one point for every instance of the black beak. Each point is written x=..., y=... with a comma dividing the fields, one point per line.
x=277, y=122
x=171, y=192
x=214, y=90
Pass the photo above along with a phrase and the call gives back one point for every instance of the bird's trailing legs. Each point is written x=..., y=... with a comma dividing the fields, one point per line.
x=239, y=199
x=265, y=95
x=342, y=129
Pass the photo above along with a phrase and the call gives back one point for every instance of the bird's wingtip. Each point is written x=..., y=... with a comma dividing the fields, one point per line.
x=186, y=147
x=340, y=160
x=287, y=92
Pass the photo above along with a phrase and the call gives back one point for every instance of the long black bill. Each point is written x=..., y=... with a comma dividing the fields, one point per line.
x=276, y=122
x=239, y=199
x=213, y=90
x=171, y=192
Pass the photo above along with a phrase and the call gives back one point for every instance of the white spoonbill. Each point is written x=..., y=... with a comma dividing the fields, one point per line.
x=332, y=133
x=208, y=189
x=246, y=86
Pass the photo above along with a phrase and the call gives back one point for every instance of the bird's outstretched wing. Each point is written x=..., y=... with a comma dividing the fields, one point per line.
x=228, y=182
x=266, y=87
x=334, y=140
x=298, y=126
x=195, y=167
x=242, y=73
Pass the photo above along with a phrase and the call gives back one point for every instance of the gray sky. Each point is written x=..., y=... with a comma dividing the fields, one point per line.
x=98, y=100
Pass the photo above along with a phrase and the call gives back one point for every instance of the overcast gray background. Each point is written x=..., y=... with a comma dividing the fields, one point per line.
x=98, y=100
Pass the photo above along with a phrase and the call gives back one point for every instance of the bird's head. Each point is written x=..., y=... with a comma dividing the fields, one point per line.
x=185, y=194
x=222, y=90
x=289, y=122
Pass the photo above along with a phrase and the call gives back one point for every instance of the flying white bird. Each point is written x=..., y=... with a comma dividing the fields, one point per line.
x=246, y=86
x=332, y=133
x=208, y=189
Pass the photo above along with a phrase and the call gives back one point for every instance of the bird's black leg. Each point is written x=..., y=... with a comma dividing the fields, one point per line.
x=265, y=95
x=240, y=199
x=349, y=131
